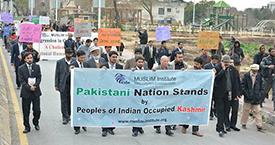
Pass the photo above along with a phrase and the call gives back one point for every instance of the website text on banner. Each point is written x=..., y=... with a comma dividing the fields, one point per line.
x=140, y=98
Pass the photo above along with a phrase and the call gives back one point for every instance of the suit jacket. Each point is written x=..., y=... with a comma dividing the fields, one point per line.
x=62, y=71
x=105, y=56
x=92, y=64
x=146, y=54
x=220, y=82
x=252, y=94
x=75, y=64
x=118, y=66
x=23, y=73
x=208, y=66
x=15, y=52
x=173, y=54
x=131, y=63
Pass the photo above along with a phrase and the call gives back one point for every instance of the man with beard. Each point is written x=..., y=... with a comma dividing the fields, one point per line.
x=95, y=61
x=30, y=78
x=268, y=73
x=62, y=71
x=179, y=63
x=227, y=91
x=237, y=54
x=260, y=55
x=198, y=63
x=131, y=63
x=215, y=59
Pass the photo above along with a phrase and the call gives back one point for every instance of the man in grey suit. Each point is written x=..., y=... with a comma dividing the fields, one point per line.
x=95, y=61
x=62, y=72
x=164, y=65
x=131, y=63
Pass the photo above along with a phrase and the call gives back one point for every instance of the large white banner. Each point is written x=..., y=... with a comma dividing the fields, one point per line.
x=51, y=46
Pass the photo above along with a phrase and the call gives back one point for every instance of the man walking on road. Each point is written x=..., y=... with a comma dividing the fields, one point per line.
x=30, y=78
x=62, y=72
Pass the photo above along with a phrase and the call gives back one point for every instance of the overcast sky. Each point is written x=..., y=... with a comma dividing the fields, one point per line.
x=243, y=4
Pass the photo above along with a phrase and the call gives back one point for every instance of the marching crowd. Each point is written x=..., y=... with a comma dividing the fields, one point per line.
x=229, y=87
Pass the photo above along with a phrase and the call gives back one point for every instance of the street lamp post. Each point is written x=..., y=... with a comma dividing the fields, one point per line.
x=99, y=14
x=194, y=12
x=56, y=10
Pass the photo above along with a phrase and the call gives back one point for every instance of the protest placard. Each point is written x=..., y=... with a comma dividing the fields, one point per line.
x=109, y=37
x=6, y=17
x=82, y=28
x=44, y=20
x=149, y=98
x=35, y=19
x=30, y=33
x=163, y=33
x=208, y=40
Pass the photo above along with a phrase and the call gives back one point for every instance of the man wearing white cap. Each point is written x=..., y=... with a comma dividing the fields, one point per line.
x=95, y=60
x=253, y=91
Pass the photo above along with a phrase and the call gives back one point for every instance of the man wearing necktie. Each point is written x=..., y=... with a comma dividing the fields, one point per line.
x=30, y=78
x=112, y=64
x=79, y=63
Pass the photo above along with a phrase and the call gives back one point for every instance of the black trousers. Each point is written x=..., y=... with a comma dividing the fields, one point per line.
x=231, y=120
x=17, y=77
x=26, y=105
x=136, y=129
x=194, y=128
x=213, y=109
x=167, y=127
x=107, y=128
x=65, y=104
x=222, y=107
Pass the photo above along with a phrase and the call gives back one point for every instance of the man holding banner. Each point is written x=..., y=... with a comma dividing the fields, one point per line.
x=164, y=65
x=198, y=62
x=111, y=65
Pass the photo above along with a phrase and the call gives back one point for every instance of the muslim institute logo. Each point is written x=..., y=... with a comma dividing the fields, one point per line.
x=120, y=78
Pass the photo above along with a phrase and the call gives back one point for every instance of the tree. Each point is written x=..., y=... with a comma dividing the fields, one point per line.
x=148, y=6
x=21, y=7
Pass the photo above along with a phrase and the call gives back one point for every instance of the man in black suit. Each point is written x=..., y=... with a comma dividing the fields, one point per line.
x=16, y=59
x=112, y=64
x=227, y=90
x=62, y=72
x=30, y=78
x=215, y=59
x=149, y=54
x=78, y=63
x=35, y=54
x=178, y=49
x=105, y=54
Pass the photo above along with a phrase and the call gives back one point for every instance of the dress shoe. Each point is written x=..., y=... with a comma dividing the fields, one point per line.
x=211, y=118
x=141, y=131
x=221, y=134
x=228, y=129
x=111, y=131
x=84, y=128
x=158, y=131
x=183, y=130
x=104, y=133
x=76, y=132
x=260, y=129
x=37, y=127
x=235, y=128
x=197, y=134
x=18, y=88
x=65, y=122
x=224, y=132
x=169, y=133
x=135, y=134
x=174, y=127
x=26, y=130
x=244, y=127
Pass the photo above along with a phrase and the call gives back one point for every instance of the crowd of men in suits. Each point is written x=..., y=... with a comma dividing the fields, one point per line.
x=228, y=86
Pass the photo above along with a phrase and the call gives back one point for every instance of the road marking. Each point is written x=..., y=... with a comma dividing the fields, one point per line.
x=18, y=115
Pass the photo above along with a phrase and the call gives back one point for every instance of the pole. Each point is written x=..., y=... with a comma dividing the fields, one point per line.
x=11, y=5
x=99, y=14
x=31, y=7
x=194, y=12
x=56, y=10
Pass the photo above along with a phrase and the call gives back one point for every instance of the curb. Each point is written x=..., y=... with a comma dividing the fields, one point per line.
x=5, y=132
